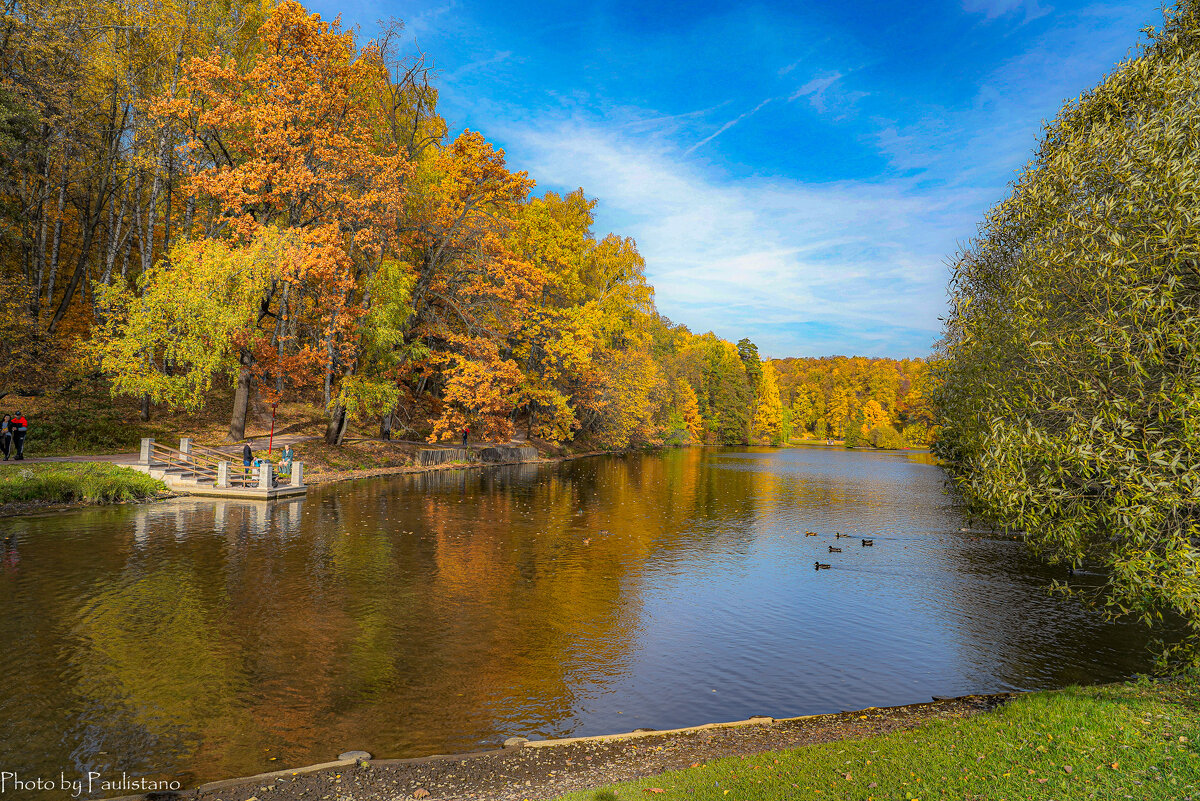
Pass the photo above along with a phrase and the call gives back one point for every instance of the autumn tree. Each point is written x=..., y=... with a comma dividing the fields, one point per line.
x=289, y=142
x=469, y=286
x=194, y=311
x=767, y=423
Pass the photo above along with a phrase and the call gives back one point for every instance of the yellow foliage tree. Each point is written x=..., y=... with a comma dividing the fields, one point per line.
x=195, y=310
x=874, y=416
x=768, y=413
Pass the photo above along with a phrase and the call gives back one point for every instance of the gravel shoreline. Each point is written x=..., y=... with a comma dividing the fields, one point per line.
x=547, y=771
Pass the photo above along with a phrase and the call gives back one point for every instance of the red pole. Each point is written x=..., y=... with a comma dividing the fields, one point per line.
x=271, y=439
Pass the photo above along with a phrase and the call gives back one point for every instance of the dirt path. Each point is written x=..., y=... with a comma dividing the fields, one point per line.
x=529, y=772
x=257, y=443
x=112, y=458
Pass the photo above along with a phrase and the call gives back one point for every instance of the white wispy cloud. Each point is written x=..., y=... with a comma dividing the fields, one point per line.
x=802, y=267
x=815, y=90
x=992, y=9
x=481, y=64
x=763, y=257
x=728, y=125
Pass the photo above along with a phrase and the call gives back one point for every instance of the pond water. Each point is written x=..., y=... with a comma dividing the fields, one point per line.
x=199, y=639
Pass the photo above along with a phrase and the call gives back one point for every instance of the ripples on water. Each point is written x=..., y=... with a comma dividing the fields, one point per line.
x=197, y=639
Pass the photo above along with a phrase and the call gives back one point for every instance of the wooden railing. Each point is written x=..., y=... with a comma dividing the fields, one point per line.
x=200, y=463
x=239, y=475
x=175, y=458
x=212, y=453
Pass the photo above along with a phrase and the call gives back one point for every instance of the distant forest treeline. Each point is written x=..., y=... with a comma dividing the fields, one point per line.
x=861, y=400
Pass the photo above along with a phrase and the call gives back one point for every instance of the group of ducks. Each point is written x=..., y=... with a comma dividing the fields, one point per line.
x=866, y=543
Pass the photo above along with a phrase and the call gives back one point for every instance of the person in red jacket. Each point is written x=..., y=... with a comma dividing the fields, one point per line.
x=19, y=427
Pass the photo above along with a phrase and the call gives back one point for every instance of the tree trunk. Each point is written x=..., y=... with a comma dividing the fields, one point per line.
x=81, y=268
x=56, y=247
x=329, y=366
x=335, y=432
x=336, y=429
x=145, y=408
x=241, y=400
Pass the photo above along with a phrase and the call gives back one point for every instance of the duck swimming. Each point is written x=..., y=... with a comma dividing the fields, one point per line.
x=820, y=566
x=839, y=535
x=868, y=543
x=834, y=550
x=810, y=533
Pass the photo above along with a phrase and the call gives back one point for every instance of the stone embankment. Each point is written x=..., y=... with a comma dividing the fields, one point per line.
x=492, y=454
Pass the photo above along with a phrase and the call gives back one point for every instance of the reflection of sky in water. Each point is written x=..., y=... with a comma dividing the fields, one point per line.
x=444, y=611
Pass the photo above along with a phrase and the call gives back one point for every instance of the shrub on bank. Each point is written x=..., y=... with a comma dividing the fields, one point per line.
x=886, y=438
x=916, y=435
x=1066, y=383
x=67, y=482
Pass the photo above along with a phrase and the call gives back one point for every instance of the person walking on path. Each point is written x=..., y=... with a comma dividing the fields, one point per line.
x=466, y=431
x=6, y=435
x=247, y=459
x=19, y=427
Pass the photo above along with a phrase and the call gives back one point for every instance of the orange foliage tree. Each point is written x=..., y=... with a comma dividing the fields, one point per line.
x=292, y=142
x=469, y=287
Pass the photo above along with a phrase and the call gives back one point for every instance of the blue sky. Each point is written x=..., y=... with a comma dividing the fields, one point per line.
x=799, y=173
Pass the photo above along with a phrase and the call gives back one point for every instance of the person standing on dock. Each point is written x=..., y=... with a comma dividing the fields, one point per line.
x=285, y=461
x=247, y=459
x=19, y=427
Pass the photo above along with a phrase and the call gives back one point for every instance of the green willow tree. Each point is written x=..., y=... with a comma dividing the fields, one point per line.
x=1068, y=383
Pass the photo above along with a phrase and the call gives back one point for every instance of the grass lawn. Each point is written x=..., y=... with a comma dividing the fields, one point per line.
x=1136, y=740
x=68, y=482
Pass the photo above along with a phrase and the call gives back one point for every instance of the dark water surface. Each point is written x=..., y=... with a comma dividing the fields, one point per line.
x=198, y=639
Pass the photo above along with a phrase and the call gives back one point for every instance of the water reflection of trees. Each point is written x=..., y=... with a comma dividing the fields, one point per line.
x=1018, y=633
x=412, y=615
x=408, y=616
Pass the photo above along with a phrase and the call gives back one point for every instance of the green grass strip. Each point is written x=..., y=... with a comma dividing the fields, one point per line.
x=71, y=482
x=1136, y=740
